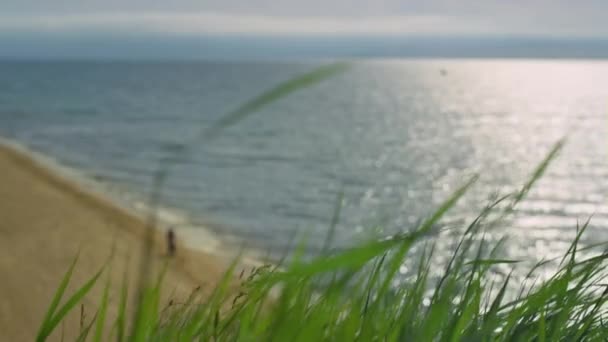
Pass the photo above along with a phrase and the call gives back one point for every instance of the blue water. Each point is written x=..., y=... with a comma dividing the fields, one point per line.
x=396, y=137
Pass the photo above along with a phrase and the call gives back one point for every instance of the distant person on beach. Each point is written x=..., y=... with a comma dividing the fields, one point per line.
x=171, y=247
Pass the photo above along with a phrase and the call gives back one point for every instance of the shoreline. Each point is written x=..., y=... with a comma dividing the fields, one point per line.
x=110, y=194
x=47, y=219
x=134, y=204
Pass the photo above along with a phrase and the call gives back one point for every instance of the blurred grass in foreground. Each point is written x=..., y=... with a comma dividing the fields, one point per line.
x=351, y=295
x=358, y=300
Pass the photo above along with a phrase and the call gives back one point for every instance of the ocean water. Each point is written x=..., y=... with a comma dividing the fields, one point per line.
x=396, y=137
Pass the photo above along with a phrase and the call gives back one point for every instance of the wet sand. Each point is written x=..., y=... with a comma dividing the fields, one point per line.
x=46, y=220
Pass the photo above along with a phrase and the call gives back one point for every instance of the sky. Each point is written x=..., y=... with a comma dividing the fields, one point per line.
x=42, y=27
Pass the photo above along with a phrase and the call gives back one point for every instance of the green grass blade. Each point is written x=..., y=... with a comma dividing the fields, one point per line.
x=492, y=314
x=350, y=259
x=122, y=307
x=539, y=171
x=70, y=304
x=280, y=91
x=447, y=205
x=85, y=332
x=216, y=299
x=491, y=262
x=372, y=282
x=147, y=312
x=335, y=219
x=101, y=317
x=542, y=327
x=45, y=327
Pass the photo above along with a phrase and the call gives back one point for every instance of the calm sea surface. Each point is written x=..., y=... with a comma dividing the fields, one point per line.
x=396, y=137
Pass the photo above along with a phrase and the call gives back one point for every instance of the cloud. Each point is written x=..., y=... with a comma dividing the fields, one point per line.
x=430, y=17
x=210, y=22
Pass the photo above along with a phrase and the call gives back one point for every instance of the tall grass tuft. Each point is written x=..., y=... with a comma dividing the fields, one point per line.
x=353, y=295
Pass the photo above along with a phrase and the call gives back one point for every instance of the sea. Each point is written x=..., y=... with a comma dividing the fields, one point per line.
x=375, y=149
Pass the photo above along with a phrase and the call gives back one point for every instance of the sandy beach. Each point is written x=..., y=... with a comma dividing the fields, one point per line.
x=45, y=220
